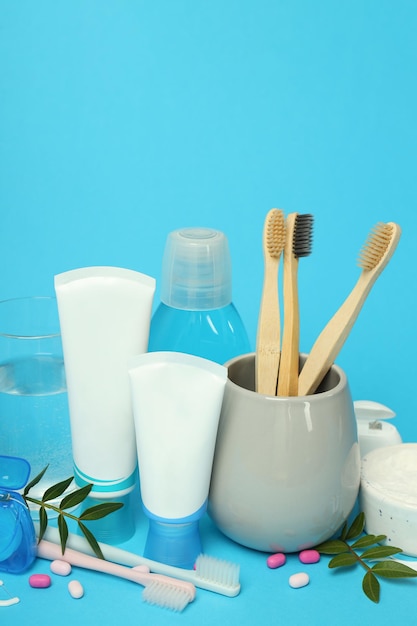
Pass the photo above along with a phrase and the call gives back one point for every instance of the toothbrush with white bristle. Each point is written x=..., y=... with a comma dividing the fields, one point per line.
x=160, y=590
x=210, y=573
x=373, y=258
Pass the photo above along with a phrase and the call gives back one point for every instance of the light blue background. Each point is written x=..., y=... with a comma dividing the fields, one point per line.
x=122, y=120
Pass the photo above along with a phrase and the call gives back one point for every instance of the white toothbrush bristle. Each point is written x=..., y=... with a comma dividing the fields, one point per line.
x=166, y=595
x=217, y=570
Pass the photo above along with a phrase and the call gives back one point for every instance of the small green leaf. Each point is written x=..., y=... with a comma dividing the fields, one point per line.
x=76, y=497
x=392, y=569
x=335, y=546
x=357, y=527
x=57, y=490
x=368, y=540
x=344, y=531
x=35, y=481
x=91, y=540
x=379, y=552
x=343, y=560
x=43, y=522
x=63, y=531
x=371, y=586
x=95, y=512
x=100, y=510
x=380, y=538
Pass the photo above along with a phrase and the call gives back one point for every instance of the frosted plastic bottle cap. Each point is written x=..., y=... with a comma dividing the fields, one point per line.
x=196, y=270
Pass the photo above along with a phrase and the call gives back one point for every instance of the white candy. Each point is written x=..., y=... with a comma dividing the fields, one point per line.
x=75, y=589
x=299, y=580
x=62, y=568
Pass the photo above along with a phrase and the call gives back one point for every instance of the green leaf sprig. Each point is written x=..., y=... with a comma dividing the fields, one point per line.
x=68, y=502
x=365, y=549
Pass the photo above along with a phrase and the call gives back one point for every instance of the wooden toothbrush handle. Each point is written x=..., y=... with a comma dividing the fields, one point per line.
x=333, y=336
x=288, y=369
x=269, y=334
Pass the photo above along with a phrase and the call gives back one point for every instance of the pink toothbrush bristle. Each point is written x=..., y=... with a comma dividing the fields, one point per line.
x=166, y=596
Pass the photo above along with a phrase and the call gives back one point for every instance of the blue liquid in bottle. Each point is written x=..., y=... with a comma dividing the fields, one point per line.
x=196, y=314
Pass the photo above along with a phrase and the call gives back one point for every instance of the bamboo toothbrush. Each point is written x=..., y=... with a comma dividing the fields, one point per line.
x=298, y=240
x=210, y=573
x=160, y=590
x=269, y=330
x=373, y=258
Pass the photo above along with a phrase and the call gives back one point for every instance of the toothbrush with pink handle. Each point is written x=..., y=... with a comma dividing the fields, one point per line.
x=158, y=589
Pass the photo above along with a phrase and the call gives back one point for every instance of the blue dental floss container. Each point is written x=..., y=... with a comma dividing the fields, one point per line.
x=17, y=533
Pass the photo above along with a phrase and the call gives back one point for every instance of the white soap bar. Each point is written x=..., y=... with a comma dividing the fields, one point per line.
x=388, y=495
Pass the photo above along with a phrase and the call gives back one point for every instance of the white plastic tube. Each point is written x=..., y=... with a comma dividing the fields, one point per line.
x=177, y=400
x=104, y=315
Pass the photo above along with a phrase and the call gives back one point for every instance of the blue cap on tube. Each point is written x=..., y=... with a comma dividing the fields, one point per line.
x=173, y=544
x=174, y=541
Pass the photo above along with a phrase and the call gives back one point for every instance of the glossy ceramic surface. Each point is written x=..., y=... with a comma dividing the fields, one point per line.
x=286, y=471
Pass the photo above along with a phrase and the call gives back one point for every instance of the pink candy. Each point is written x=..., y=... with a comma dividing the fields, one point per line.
x=300, y=579
x=309, y=556
x=40, y=581
x=305, y=556
x=276, y=560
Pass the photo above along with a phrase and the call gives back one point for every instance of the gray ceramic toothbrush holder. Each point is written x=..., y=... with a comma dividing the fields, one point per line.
x=286, y=470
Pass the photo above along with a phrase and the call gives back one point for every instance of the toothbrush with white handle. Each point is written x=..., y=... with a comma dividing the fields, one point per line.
x=160, y=590
x=210, y=573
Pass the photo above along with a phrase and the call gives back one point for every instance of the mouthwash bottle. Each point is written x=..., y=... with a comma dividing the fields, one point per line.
x=196, y=314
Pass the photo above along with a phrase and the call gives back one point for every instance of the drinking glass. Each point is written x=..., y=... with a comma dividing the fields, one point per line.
x=34, y=416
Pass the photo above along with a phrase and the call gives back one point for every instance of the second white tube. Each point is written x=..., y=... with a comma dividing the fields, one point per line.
x=177, y=400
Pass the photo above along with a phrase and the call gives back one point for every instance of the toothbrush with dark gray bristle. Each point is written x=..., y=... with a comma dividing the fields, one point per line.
x=298, y=243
